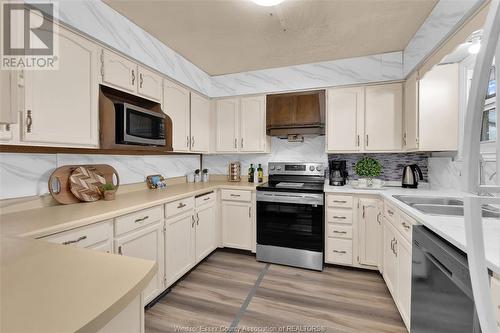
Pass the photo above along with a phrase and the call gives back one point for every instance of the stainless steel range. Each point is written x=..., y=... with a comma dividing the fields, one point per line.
x=290, y=215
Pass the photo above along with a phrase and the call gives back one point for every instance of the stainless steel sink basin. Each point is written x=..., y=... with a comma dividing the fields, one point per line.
x=443, y=206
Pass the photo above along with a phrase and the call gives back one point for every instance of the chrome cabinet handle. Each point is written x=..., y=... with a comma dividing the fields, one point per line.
x=364, y=211
x=392, y=244
x=29, y=121
x=341, y=252
x=404, y=139
x=390, y=212
x=141, y=219
x=140, y=80
x=395, y=250
x=187, y=141
x=241, y=142
x=193, y=221
x=340, y=232
x=339, y=217
x=197, y=219
x=235, y=195
x=250, y=212
x=133, y=77
x=120, y=250
x=192, y=142
x=357, y=141
x=75, y=240
x=235, y=143
x=181, y=205
x=207, y=198
x=405, y=225
x=339, y=201
x=367, y=140
x=378, y=218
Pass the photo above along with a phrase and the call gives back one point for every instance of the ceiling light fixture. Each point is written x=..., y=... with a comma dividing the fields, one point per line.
x=267, y=3
x=475, y=45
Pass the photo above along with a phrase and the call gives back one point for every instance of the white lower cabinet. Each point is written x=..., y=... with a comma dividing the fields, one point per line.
x=179, y=245
x=495, y=293
x=237, y=220
x=369, y=232
x=390, y=259
x=146, y=243
x=205, y=230
x=403, y=253
x=129, y=320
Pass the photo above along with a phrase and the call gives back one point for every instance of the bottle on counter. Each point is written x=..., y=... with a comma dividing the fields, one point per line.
x=260, y=173
x=251, y=172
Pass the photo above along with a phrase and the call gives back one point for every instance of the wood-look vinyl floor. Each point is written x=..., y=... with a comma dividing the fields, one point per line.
x=222, y=291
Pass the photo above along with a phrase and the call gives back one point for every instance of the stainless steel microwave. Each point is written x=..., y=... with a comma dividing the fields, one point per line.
x=139, y=126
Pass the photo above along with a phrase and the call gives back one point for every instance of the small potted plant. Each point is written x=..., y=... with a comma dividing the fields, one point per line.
x=109, y=191
x=367, y=168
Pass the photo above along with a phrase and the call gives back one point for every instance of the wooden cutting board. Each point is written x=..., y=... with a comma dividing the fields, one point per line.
x=60, y=184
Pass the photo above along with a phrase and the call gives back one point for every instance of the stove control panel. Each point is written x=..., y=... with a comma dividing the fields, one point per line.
x=296, y=168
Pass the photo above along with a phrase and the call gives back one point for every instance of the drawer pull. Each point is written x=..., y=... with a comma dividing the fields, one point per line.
x=341, y=252
x=120, y=250
x=405, y=225
x=208, y=198
x=74, y=240
x=390, y=212
x=340, y=232
x=141, y=219
x=181, y=205
x=339, y=217
x=339, y=201
x=235, y=195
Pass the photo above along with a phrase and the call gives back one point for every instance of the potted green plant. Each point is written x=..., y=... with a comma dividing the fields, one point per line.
x=368, y=168
x=109, y=191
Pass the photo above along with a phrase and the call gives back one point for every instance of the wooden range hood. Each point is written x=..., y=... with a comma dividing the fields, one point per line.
x=299, y=113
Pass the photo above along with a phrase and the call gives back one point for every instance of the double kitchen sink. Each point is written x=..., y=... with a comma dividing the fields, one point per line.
x=443, y=206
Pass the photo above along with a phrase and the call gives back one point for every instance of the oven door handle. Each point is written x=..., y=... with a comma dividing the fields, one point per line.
x=308, y=200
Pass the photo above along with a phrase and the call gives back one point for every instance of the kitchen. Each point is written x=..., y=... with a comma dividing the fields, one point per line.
x=335, y=176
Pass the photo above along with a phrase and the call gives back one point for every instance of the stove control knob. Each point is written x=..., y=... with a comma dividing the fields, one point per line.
x=311, y=168
x=319, y=168
x=272, y=167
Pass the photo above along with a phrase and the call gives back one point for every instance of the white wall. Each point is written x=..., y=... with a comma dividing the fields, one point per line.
x=28, y=174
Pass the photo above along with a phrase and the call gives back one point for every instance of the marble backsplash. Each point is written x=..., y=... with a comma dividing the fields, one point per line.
x=24, y=175
x=393, y=163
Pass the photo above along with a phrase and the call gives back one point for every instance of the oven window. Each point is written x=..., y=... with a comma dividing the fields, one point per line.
x=290, y=225
x=144, y=126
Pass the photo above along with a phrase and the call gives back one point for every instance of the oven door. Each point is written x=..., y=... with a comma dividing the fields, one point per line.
x=292, y=220
x=136, y=125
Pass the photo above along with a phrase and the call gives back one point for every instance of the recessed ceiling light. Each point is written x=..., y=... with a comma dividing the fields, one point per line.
x=268, y=3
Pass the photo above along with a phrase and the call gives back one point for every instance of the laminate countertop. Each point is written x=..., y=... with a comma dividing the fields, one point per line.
x=450, y=228
x=47, y=287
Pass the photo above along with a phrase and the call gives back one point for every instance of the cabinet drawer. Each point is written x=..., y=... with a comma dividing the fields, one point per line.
x=236, y=195
x=339, y=251
x=339, y=215
x=137, y=220
x=405, y=225
x=180, y=206
x=339, y=231
x=342, y=201
x=205, y=198
x=391, y=213
x=84, y=236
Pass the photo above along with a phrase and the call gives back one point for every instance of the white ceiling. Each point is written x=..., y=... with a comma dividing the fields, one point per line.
x=231, y=36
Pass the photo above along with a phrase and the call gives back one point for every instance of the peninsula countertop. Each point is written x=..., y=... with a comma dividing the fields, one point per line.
x=451, y=228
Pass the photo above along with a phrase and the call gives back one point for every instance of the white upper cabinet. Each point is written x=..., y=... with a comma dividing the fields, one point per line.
x=227, y=114
x=439, y=109
x=345, y=111
x=118, y=72
x=61, y=106
x=149, y=84
x=253, y=124
x=384, y=117
x=176, y=106
x=241, y=125
x=10, y=84
x=410, y=136
x=200, y=123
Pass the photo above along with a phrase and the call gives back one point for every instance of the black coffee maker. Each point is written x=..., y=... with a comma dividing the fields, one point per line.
x=338, y=172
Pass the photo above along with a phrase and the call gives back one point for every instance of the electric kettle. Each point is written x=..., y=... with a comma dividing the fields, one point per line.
x=411, y=175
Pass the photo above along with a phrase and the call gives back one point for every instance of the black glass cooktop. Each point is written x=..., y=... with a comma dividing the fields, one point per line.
x=288, y=186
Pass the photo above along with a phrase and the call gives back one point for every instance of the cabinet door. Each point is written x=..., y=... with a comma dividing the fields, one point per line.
x=106, y=246
x=200, y=123
x=8, y=97
x=227, y=125
x=61, y=106
x=390, y=260
x=147, y=244
x=438, y=107
x=237, y=225
x=384, y=117
x=176, y=105
x=149, y=84
x=403, y=253
x=179, y=246
x=129, y=320
x=345, y=113
x=253, y=124
x=118, y=71
x=368, y=237
x=410, y=137
x=205, y=231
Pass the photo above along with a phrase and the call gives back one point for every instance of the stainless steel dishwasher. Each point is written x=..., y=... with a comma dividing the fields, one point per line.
x=442, y=300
